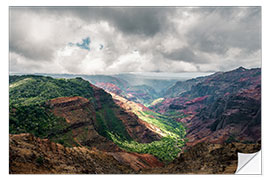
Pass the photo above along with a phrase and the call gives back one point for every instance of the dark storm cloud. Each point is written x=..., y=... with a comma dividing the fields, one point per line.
x=129, y=20
x=138, y=21
x=184, y=54
x=219, y=29
x=31, y=51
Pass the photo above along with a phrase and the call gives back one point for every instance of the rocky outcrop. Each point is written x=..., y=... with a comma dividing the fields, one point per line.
x=206, y=158
x=136, y=161
x=31, y=155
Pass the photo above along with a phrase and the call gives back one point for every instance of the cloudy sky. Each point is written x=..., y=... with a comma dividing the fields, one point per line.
x=83, y=40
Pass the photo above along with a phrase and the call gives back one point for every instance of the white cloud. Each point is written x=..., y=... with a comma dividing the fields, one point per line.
x=164, y=39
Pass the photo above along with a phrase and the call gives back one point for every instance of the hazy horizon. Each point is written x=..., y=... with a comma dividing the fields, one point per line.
x=142, y=75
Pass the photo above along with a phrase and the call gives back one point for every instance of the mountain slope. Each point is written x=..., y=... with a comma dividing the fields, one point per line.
x=209, y=87
x=32, y=155
x=108, y=115
x=236, y=117
x=81, y=114
x=51, y=108
x=182, y=86
x=30, y=89
x=219, y=84
x=223, y=106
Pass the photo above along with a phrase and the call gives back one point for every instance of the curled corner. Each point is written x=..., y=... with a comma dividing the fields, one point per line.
x=249, y=163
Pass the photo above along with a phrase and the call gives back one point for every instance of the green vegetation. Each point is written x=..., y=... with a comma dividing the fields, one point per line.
x=156, y=101
x=232, y=138
x=40, y=160
x=39, y=121
x=30, y=89
x=167, y=148
x=108, y=122
x=34, y=119
x=167, y=125
x=66, y=139
x=28, y=111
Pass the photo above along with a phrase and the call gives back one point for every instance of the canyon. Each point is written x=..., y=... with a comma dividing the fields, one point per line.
x=105, y=125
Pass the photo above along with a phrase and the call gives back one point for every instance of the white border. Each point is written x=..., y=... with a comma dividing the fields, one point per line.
x=4, y=75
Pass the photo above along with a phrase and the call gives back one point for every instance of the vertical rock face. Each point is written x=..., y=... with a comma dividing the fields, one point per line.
x=236, y=117
x=80, y=113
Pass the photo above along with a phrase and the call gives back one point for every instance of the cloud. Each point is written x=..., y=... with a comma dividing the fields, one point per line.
x=185, y=54
x=137, y=39
x=37, y=36
x=219, y=29
x=129, y=20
